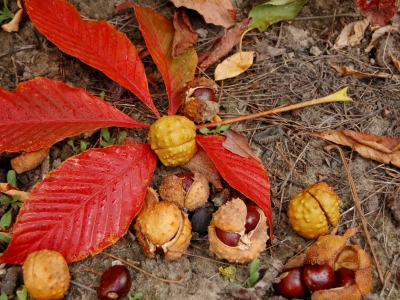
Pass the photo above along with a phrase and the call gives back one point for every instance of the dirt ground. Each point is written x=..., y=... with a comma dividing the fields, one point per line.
x=292, y=158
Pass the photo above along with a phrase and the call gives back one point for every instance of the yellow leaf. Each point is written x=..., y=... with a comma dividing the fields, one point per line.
x=234, y=65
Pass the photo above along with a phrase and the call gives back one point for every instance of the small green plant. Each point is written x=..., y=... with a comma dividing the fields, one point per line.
x=218, y=129
x=82, y=145
x=22, y=294
x=134, y=297
x=108, y=141
x=3, y=297
x=6, y=219
x=5, y=14
x=254, y=274
x=12, y=177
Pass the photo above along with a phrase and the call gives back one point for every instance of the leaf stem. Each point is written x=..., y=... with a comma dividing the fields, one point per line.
x=339, y=96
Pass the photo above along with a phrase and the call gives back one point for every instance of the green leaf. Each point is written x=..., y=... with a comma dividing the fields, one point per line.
x=22, y=294
x=225, y=127
x=253, y=279
x=104, y=143
x=134, y=297
x=102, y=95
x=12, y=177
x=83, y=145
x=105, y=134
x=204, y=130
x=6, y=219
x=273, y=12
x=122, y=136
x=6, y=14
x=4, y=239
x=254, y=266
x=6, y=200
x=3, y=297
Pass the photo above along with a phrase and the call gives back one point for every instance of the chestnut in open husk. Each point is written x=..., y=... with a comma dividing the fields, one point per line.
x=186, y=190
x=331, y=270
x=161, y=227
x=229, y=237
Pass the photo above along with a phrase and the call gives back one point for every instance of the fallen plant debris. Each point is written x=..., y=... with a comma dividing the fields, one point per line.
x=214, y=142
x=383, y=149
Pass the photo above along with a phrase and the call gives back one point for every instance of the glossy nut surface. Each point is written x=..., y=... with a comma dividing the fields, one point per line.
x=228, y=238
x=252, y=218
x=115, y=283
x=318, y=277
x=343, y=278
x=291, y=284
x=205, y=94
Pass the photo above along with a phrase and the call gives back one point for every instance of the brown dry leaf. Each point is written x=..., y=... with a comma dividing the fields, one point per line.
x=217, y=12
x=383, y=149
x=185, y=36
x=395, y=61
x=11, y=190
x=351, y=34
x=350, y=71
x=265, y=51
x=29, y=160
x=223, y=45
x=377, y=35
x=13, y=25
x=202, y=163
x=234, y=65
x=237, y=143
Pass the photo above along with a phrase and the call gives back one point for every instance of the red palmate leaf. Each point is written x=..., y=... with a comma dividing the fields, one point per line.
x=378, y=12
x=84, y=205
x=158, y=33
x=246, y=175
x=41, y=112
x=96, y=43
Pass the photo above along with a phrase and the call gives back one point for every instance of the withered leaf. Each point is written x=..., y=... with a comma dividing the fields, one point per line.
x=11, y=190
x=237, y=143
x=202, y=163
x=217, y=12
x=185, y=36
x=13, y=25
x=29, y=160
x=383, y=149
x=223, y=45
x=234, y=65
x=351, y=35
x=350, y=71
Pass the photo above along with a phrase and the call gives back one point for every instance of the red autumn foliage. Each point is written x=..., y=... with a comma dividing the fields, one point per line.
x=97, y=43
x=247, y=175
x=41, y=112
x=85, y=205
x=378, y=12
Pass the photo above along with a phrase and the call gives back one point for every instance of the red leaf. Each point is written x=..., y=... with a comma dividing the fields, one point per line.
x=96, y=43
x=246, y=175
x=42, y=112
x=378, y=12
x=222, y=45
x=158, y=33
x=85, y=205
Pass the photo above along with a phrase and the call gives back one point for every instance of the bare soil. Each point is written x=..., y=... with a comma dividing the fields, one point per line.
x=292, y=158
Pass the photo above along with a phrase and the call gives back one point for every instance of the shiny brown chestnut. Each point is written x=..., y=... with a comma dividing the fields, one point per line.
x=291, y=284
x=343, y=278
x=318, y=277
x=205, y=94
x=252, y=218
x=228, y=238
x=115, y=283
x=187, y=180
